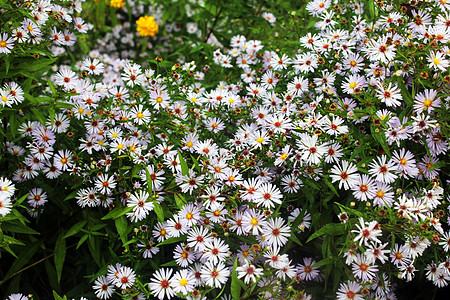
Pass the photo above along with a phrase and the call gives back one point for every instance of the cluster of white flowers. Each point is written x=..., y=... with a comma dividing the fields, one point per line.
x=226, y=169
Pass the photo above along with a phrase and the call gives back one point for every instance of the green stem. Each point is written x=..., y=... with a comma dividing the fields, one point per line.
x=216, y=18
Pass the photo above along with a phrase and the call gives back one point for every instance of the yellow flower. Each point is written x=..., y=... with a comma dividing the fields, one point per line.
x=146, y=26
x=117, y=3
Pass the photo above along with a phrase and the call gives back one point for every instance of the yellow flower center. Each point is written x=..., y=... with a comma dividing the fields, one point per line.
x=183, y=282
x=140, y=115
x=159, y=99
x=190, y=144
x=427, y=103
x=4, y=99
x=436, y=61
x=352, y=85
x=120, y=146
x=114, y=135
x=403, y=161
x=380, y=194
x=3, y=44
x=284, y=156
x=254, y=221
x=260, y=140
x=189, y=216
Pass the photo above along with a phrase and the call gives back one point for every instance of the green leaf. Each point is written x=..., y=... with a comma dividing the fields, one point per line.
x=39, y=116
x=171, y=240
x=404, y=91
x=328, y=269
x=36, y=64
x=337, y=276
x=82, y=240
x=371, y=10
x=117, y=212
x=8, y=217
x=60, y=255
x=172, y=263
x=7, y=62
x=350, y=210
x=9, y=250
x=43, y=99
x=171, y=185
x=58, y=297
x=12, y=241
x=159, y=211
x=52, y=86
x=357, y=151
x=179, y=199
x=326, y=244
x=18, y=202
x=331, y=229
x=13, y=124
x=330, y=185
x=75, y=229
x=23, y=259
x=51, y=112
x=381, y=138
x=122, y=229
x=26, y=85
x=236, y=283
x=29, y=97
x=64, y=105
x=196, y=164
x=51, y=273
x=295, y=239
x=71, y=195
x=132, y=241
x=97, y=227
x=18, y=216
x=311, y=183
x=184, y=166
x=94, y=248
x=18, y=227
